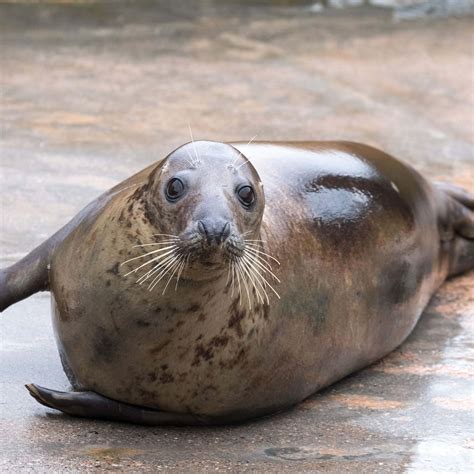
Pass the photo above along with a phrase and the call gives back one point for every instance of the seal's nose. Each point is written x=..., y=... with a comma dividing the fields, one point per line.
x=217, y=231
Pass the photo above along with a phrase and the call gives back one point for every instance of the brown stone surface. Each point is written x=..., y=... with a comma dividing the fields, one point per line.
x=92, y=92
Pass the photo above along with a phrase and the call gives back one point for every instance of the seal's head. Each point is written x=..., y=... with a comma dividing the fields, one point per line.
x=209, y=201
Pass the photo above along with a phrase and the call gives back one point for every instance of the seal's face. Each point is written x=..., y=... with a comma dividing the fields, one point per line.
x=210, y=201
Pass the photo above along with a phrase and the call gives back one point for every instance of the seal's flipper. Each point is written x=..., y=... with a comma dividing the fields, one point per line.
x=28, y=276
x=461, y=212
x=456, y=217
x=93, y=405
x=31, y=273
x=457, y=193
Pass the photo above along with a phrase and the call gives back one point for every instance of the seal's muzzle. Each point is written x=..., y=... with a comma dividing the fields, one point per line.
x=214, y=231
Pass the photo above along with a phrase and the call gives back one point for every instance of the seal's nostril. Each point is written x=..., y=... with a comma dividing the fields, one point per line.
x=225, y=232
x=202, y=228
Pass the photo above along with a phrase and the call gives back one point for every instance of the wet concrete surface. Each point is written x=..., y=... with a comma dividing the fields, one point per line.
x=93, y=92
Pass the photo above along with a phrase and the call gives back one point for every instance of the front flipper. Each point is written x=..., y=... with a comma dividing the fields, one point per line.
x=93, y=405
x=28, y=276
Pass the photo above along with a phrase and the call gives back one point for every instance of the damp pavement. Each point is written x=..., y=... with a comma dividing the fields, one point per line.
x=92, y=92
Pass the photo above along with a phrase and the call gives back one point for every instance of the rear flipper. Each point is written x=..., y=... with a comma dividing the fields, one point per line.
x=93, y=405
x=457, y=227
x=458, y=194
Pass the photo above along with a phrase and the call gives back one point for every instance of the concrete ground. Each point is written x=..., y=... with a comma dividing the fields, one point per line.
x=92, y=92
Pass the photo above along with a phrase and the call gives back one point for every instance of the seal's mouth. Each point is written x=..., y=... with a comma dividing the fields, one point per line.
x=211, y=253
x=193, y=257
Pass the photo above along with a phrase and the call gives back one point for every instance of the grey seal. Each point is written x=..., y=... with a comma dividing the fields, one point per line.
x=229, y=281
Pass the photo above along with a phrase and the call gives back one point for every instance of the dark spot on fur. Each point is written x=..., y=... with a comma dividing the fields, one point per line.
x=219, y=341
x=141, y=323
x=152, y=377
x=199, y=337
x=115, y=269
x=206, y=352
x=156, y=350
x=107, y=283
x=166, y=378
x=179, y=324
x=194, y=307
x=157, y=309
x=236, y=317
x=201, y=317
x=202, y=352
x=104, y=346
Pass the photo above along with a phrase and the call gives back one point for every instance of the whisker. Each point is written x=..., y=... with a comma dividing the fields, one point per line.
x=242, y=164
x=270, y=286
x=183, y=264
x=257, y=271
x=261, y=258
x=252, y=139
x=194, y=145
x=228, y=274
x=175, y=269
x=163, y=272
x=263, y=267
x=233, y=280
x=163, y=242
x=256, y=250
x=157, y=268
x=237, y=273
x=245, y=283
x=160, y=260
x=168, y=235
x=167, y=250
x=254, y=278
x=192, y=163
x=248, y=143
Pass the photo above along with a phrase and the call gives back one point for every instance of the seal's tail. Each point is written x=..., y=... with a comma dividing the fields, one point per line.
x=457, y=223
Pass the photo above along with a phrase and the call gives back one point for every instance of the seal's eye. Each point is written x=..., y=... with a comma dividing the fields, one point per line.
x=174, y=189
x=246, y=195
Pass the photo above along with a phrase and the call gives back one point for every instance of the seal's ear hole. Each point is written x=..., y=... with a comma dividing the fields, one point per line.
x=246, y=195
x=174, y=189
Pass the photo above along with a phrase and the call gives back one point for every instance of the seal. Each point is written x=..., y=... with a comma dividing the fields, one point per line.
x=231, y=281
